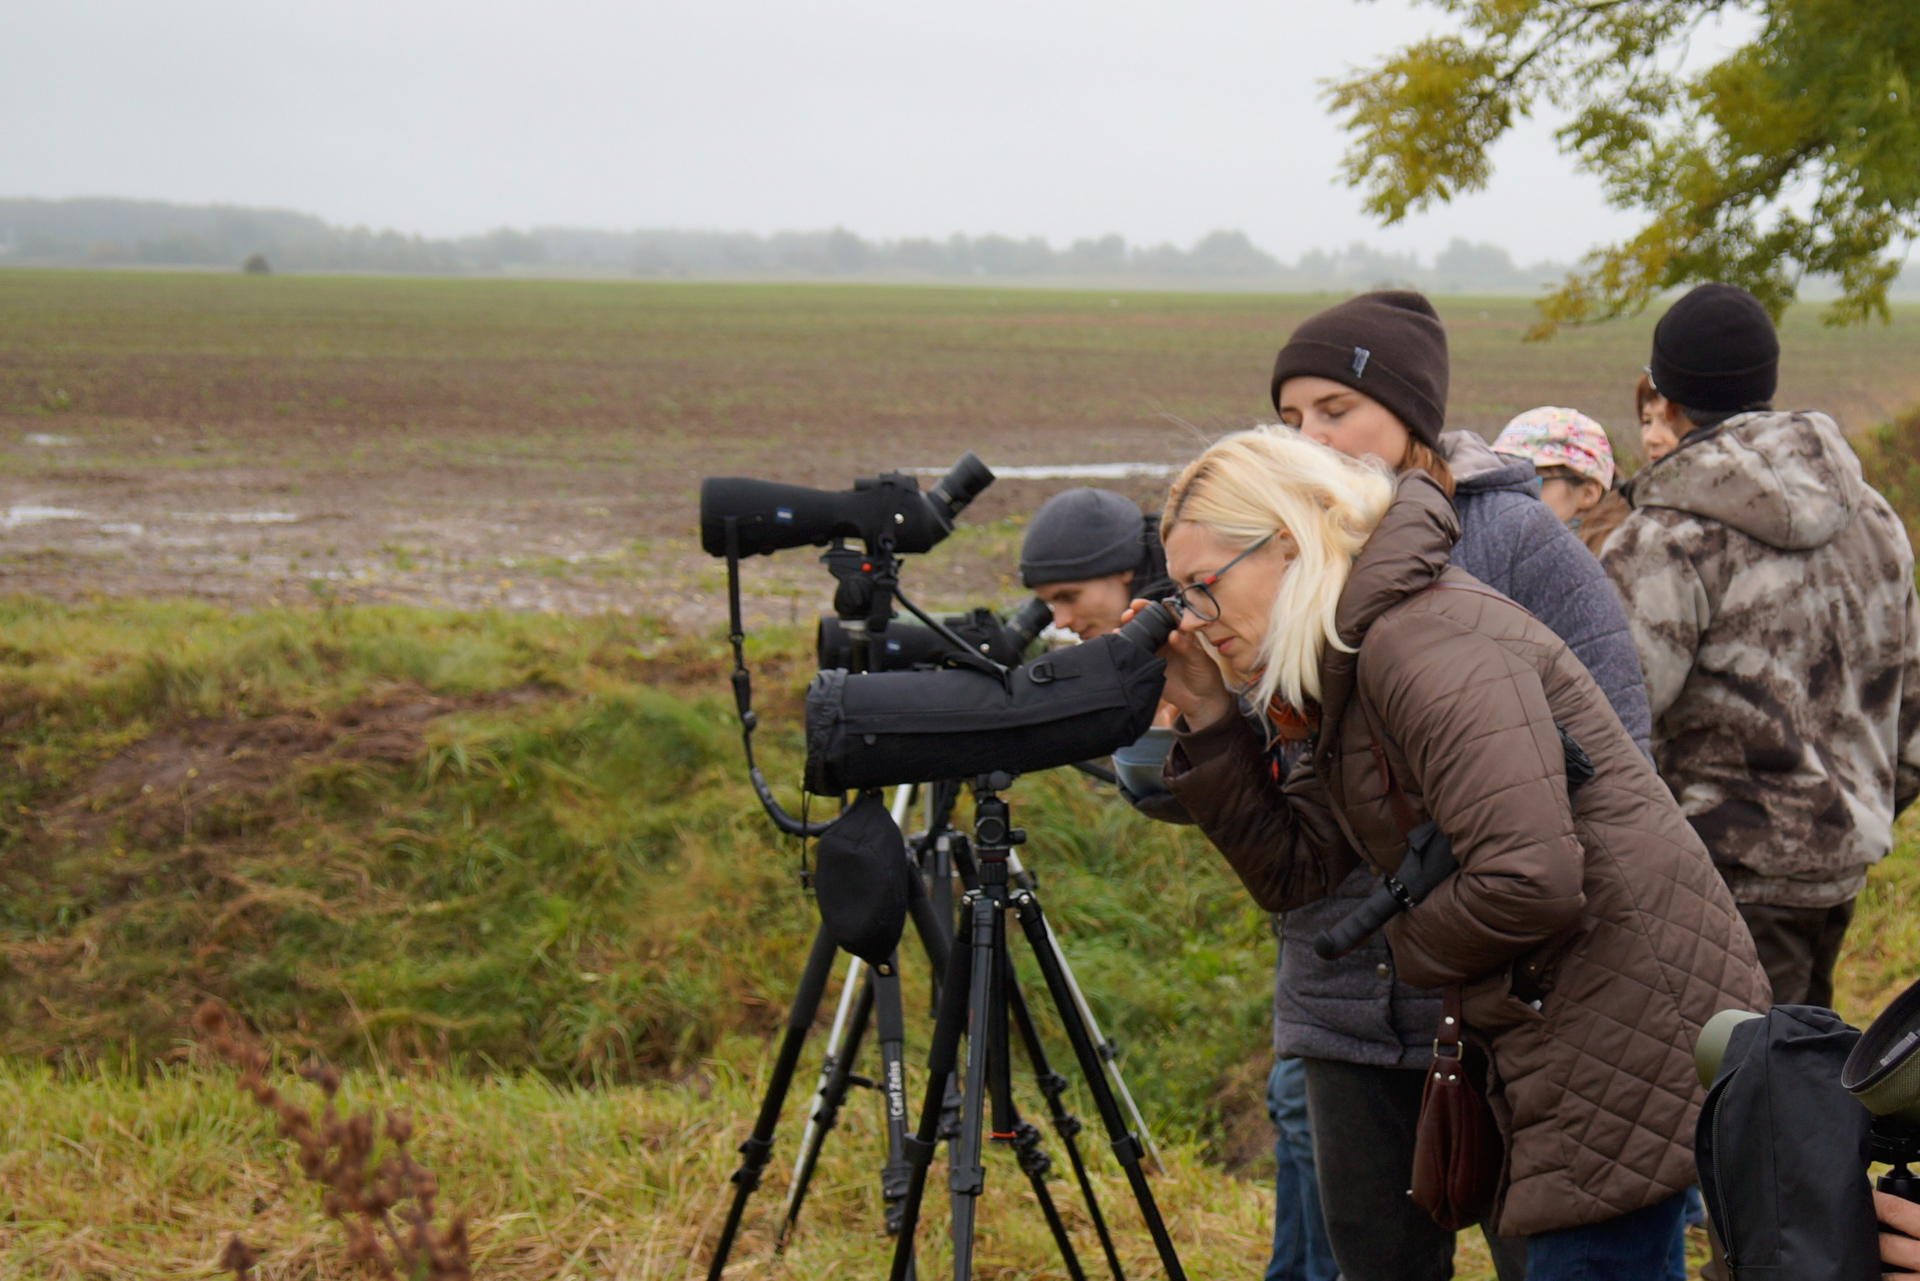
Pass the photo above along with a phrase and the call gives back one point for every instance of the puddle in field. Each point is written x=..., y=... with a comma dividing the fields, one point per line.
x=237, y=518
x=124, y=528
x=42, y=438
x=32, y=514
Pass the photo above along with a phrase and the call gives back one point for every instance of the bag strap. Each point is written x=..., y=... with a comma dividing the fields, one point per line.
x=1446, y=1042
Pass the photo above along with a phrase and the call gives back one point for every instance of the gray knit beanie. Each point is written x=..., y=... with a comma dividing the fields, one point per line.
x=1082, y=533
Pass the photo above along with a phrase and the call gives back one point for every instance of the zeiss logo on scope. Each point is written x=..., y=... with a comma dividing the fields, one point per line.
x=783, y=515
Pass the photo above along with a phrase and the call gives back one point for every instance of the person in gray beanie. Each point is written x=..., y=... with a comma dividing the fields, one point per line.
x=1087, y=553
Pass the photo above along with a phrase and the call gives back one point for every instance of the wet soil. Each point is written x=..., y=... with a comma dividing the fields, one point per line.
x=539, y=446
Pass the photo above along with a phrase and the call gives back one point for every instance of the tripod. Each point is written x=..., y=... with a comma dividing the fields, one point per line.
x=976, y=1001
x=874, y=991
x=867, y=583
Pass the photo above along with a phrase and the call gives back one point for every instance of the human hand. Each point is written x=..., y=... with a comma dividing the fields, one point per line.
x=1899, y=1248
x=1194, y=683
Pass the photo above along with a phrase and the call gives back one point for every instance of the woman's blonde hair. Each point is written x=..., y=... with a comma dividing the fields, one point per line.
x=1272, y=481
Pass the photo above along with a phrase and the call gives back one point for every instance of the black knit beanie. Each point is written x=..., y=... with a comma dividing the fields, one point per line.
x=1716, y=350
x=1082, y=533
x=1388, y=345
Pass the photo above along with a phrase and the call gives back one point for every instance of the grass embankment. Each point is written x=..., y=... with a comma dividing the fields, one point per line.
x=451, y=847
x=101, y=1175
x=495, y=843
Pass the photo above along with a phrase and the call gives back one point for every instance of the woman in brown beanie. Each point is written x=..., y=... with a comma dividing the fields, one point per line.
x=1369, y=377
x=1586, y=937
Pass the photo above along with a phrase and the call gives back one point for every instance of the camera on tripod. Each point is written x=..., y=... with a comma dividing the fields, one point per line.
x=770, y=517
x=871, y=725
x=948, y=701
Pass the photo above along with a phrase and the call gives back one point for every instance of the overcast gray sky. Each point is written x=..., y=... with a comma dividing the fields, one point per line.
x=1062, y=118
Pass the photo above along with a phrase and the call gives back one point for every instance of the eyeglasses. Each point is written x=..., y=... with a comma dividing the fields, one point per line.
x=1199, y=599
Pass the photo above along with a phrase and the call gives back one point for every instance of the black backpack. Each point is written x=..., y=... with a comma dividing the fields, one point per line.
x=1782, y=1151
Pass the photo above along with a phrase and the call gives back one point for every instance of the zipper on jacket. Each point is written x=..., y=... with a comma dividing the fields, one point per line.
x=1715, y=1215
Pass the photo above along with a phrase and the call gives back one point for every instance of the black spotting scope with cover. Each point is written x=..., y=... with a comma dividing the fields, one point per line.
x=1799, y=1103
x=908, y=646
x=741, y=516
x=878, y=729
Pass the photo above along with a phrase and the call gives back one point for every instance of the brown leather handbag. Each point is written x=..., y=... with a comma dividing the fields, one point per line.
x=1457, y=1147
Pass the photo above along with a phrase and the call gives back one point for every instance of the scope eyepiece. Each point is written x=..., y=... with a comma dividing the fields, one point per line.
x=1151, y=626
x=1031, y=619
x=962, y=484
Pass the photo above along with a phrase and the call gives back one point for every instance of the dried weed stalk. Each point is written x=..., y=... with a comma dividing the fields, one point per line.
x=336, y=1152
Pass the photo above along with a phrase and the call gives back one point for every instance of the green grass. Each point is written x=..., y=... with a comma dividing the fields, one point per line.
x=103, y=1175
x=489, y=860
x=111, y=1178
x=491, y=843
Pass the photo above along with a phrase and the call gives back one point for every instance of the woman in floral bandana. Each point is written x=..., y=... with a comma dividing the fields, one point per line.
x=1574, y=460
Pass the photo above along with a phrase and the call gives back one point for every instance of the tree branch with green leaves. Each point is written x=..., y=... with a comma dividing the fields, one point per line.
x=1798, y=153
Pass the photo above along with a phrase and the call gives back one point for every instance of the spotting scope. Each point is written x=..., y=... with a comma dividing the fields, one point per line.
x=770, y=516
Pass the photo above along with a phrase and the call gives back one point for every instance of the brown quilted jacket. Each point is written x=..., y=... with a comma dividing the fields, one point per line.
x=1594, y=941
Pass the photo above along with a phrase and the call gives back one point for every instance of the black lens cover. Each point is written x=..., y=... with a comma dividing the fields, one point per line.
x=860, y=878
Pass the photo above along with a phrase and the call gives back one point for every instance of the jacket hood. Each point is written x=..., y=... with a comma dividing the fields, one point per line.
x=1478, y=470
x=1789, y=480
x=1408, y=551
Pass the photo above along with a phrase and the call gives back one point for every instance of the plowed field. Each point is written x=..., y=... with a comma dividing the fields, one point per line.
x=538, y=445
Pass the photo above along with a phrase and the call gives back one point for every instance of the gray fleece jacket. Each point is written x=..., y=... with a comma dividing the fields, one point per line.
x=1354, y=1009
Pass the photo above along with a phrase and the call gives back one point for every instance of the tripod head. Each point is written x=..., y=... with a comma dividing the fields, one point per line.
x=994, y=835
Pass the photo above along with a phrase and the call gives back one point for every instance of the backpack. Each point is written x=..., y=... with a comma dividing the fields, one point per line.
x=1782, y=1152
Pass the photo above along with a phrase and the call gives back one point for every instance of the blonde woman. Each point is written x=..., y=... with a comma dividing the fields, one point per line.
x=1591, y=935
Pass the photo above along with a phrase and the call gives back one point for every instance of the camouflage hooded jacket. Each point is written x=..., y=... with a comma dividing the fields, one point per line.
x=1770, y=593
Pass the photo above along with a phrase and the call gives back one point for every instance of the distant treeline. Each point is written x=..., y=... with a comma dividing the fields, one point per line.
x=106, y=232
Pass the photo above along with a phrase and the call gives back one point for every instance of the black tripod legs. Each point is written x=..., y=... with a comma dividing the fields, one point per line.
x=893, y=1087
x=1126, y=1146
x=1052, y=1087
x=759, y=1145
x=836, y=1079
x=966, y=1176
x=948, y=1026
x=1008, y=1127
x=977, y=999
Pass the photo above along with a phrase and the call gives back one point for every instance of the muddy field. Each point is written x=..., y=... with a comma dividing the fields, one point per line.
x=539, y=445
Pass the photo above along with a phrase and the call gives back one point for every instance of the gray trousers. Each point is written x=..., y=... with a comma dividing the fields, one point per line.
x=1364, y=1120
x=1798, y=947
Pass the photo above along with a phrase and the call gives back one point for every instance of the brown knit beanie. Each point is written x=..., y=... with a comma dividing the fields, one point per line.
x=1388, y=345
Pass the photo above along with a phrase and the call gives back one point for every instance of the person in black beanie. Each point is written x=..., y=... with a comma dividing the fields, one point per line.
x=1771, y=595
x=1715, y=354
x=1087, y=553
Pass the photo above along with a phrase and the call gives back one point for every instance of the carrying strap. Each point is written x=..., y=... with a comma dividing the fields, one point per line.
x=1446, y=1042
